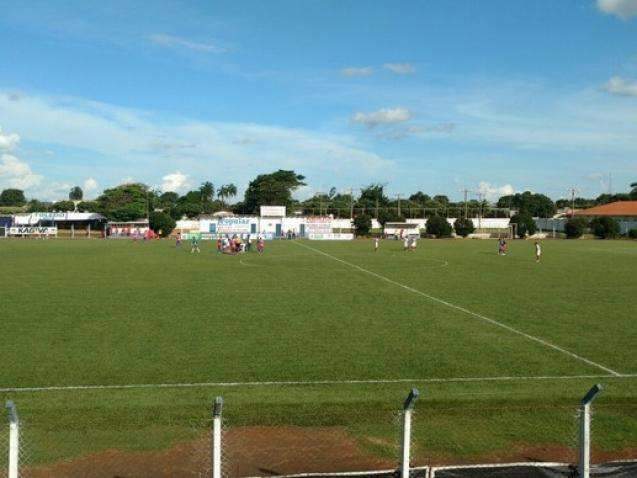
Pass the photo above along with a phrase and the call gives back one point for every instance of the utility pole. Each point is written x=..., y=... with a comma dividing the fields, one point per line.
x=399, y=205
x=573, y=191
x=466, y=192
x=610, y=183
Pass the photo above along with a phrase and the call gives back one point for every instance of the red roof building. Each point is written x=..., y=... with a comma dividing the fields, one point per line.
x=615, y=209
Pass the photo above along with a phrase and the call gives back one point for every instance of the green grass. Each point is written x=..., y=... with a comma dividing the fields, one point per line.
x=116, y=312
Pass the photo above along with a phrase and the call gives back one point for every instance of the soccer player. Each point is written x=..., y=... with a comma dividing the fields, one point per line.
x=406, y=243
x=178, y=241
x=194, y=245
x=538, y=251
x=413, y=244
x=376, y=244
x=260, y=245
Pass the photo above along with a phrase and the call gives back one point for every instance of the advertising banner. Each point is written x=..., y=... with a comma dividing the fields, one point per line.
x=233, y=225
x=272, y=211
x=318, y=225
x=28, y=231
x=331, y=237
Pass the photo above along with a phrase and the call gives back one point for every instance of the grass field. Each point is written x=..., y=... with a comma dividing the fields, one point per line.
x=534, y=337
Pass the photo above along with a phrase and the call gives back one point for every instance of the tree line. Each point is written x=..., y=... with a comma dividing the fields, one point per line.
x=128, y=202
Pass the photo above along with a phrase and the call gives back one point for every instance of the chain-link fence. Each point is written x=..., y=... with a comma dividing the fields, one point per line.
x=386, y=439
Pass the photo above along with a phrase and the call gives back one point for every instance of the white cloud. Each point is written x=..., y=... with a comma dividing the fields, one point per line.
x=152, y=142
x=621, y=86
x=17, y=174
x=8, y=141
x=382, y=116
x=492, y=192
x=357, y=71
x=400, y=68
x=171, y=41
x=623, y=9
x=90, y=185
x=174, y=182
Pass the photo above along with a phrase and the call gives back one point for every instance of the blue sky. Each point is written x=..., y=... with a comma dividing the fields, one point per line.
x=437, y=95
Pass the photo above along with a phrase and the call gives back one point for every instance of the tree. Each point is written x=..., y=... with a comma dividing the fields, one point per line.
x=88, y=206
x=63, y=206
x=389, y=215
x=438, y=226
x=605, y=227
x=575, y=227
x=226, y=191
x=126, y=202
x=189, y=209
x=274, y=189
x=536, y=205
x=76, y=193
x=207, y=191
x=37, y=206
x=463, y=227
x=441, y=200
x=12, y=197
x=373, y=198
x=525, y=224
x=420, y=198
x=633, y=191
x=161, y=223
x=363, y=224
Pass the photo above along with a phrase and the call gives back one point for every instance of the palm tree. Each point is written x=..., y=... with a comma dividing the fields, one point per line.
x=226, y=191
x=207, y=190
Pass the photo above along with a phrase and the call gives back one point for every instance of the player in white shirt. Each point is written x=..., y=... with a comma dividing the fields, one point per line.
x=406, y=243
x=538, y=251
x=376, y=244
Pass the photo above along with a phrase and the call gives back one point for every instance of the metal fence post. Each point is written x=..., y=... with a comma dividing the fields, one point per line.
x=216, y=437
x=408, y=408
x=14, y=440
x=585, y=432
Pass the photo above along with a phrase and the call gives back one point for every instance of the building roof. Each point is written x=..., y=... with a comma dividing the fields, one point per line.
x=618, y=208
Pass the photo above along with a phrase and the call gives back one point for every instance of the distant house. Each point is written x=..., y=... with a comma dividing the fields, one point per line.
x=624, y=211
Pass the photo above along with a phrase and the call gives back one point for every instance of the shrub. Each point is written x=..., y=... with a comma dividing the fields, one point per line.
x=525, y=224
x=362, y=224
x=438, y=226
x=575, y=227
x=605, y=227
x=161, y=223
x=632, y=233
x=463, y=227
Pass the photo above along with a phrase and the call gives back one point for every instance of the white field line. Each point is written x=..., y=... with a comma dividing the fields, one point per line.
x=312, y=382
x=467, y=311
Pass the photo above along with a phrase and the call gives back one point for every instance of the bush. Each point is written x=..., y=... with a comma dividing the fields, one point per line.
x=438, y=226
x=463, y=227
x=362, y=224
x=575, y=227
x=525, y=224
x=632, y=233
x=605, y=227
x=161, y=223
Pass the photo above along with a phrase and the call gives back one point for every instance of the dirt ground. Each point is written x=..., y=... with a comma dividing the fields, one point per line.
x=271, y=451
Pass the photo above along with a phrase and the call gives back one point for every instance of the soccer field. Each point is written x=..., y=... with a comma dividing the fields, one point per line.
x=501, y=348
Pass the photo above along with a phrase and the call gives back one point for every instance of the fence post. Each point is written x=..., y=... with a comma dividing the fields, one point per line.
x=14, y=440
x=408, y=408
x=216, y=437
x=585, y=432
